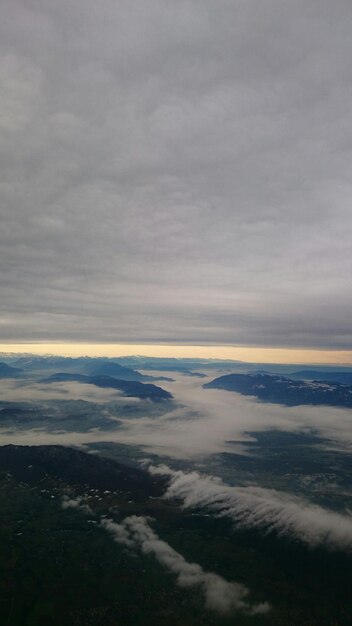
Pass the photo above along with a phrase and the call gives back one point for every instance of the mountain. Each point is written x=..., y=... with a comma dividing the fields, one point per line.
x=117, y=371
x=38, y=363
x=6, y=371
x=129, y=388
x=186, y=365
x=74, y=467
x=281, y=390
x=111, y=368
x=345, y=378
x=62, y=377
x=91, y=366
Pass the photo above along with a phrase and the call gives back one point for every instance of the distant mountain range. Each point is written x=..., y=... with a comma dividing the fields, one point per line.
x=281, y=390
x=345, y=378
x=111, y=368
x=116, y=371
x=185, y=366
x=83, y=365
x=129, y=388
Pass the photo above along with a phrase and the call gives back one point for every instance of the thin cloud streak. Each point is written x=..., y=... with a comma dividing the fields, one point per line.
x=135, y=532
x=220, y=596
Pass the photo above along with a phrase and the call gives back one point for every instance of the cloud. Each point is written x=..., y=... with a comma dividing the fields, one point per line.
x=176, y=172
x=255, y=507
x=200, y=423
x=210, y=421
x=135, y=532
x=120, y=532
x=75, y=503
x=14, y=391
x=220, y=595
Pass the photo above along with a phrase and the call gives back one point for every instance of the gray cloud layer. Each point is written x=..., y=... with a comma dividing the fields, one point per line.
x=176, y=171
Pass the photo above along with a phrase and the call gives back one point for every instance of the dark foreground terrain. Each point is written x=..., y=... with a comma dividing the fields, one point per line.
x=59, y=565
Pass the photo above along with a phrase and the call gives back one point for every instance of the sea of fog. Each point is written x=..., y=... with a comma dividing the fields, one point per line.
x=197, y=423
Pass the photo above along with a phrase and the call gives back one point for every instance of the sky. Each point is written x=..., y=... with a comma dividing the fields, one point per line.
x=246, y=354
x=176, y=173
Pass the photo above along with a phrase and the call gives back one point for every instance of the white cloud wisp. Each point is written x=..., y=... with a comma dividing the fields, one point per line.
x=220, y=595
x=255, y=507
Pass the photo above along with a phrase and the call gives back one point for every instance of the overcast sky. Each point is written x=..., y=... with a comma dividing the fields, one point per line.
x=176, y=171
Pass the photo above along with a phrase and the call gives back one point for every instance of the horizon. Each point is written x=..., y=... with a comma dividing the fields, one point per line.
x=220, y=353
